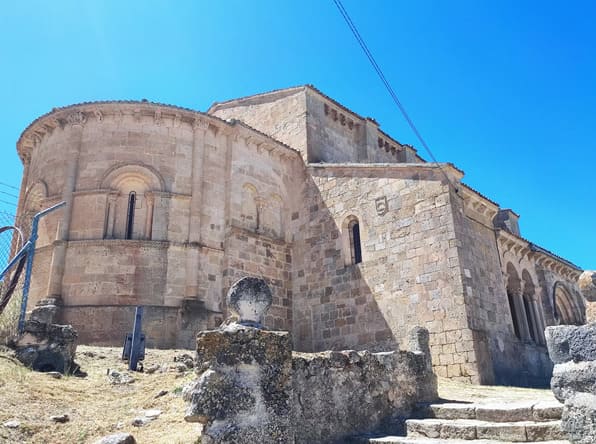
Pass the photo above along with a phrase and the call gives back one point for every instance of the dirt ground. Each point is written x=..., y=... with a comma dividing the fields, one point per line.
x=95, y=406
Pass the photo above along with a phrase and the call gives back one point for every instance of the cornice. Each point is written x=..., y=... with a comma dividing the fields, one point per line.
x=161, y=114
x=523, y=248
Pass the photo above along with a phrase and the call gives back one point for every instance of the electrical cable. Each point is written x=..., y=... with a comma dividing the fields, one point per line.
x=9, y=186
x=9, y=194
x=388, y=86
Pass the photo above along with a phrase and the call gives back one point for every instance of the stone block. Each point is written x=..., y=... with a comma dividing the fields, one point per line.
x=579, y=418
x=570, y=378
x=571, y=343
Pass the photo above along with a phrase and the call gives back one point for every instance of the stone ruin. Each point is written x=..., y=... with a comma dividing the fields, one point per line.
x=252, y=388
x=45, y=346
x=573, y=350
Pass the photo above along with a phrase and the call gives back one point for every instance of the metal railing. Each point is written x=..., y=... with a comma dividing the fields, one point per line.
x=9, y=276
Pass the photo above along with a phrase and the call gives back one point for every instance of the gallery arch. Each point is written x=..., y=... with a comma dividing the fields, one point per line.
x=566, y=309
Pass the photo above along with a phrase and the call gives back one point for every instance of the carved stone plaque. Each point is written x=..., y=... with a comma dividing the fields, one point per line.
x=381, y=205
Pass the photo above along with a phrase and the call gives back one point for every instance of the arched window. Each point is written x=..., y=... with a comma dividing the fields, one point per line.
x=351, y=241
x=130, y=215
x=355, y=247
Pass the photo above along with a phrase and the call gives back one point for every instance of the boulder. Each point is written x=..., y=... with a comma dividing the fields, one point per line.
x=117, y=438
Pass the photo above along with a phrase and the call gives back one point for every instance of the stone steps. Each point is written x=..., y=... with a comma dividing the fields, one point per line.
x=419, y=440
x=542, y=411
x=469, y=423
x=470, y=429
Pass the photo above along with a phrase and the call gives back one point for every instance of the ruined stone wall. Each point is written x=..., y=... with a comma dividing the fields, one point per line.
x=339, y=394
x=409, y=273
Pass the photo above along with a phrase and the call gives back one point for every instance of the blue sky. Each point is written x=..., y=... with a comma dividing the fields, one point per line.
x=505, y=90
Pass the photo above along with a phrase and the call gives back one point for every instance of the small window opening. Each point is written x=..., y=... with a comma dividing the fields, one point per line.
x=355, y=247
x=513, y=315
x=130, y=217
x=530, y=318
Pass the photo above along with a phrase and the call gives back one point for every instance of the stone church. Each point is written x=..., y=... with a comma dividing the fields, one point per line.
x=359, y=238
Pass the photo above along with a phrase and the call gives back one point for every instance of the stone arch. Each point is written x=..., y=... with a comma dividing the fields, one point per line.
x=120, y=172
x=352, y=240
x=130, y=209
x=566, y=309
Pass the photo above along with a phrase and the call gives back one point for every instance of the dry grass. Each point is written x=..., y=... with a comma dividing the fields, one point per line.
x=10, y=317
x=95, y=406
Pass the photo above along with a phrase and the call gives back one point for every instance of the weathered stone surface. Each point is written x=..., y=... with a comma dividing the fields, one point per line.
x=117, y=438
x=579, y=418
x=502, y=431
x=587, y=285
x=570, y=378
x=571, y=343
x=504, y=413
x=244, y=393
x=337, y=394
x=249, y=298
x=418, y=342
x=47, y=347
x=544, y=431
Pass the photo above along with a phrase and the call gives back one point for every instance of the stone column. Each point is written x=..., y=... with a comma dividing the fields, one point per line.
x=111, y=203
x=150, y=199
x=75, y=123
x=244, y=394
x=520, y=314
x=199, y=128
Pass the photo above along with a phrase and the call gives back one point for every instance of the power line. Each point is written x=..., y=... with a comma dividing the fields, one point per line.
x=9, y=186
x=9, y=203
x=9, y=194
x=388, y=86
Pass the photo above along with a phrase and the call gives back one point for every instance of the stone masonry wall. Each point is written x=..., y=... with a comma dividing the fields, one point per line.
x=409, y=273
x=502, y=357
x=254, y=255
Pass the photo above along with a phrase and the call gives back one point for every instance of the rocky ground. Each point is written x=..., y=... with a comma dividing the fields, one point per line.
x=150, y=406
x=37, y=408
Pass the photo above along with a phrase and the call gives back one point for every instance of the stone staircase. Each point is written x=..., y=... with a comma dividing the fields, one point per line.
x=471, y=423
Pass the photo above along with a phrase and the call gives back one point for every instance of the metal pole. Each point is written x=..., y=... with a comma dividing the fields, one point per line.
x=136, y=340
x=29, y=268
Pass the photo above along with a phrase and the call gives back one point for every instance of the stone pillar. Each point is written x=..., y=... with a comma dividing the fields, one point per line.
x=244, y=393
x=111, y=204
x=150, y=199
x=418, y=342
x=75, y=121
x=200, y=128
